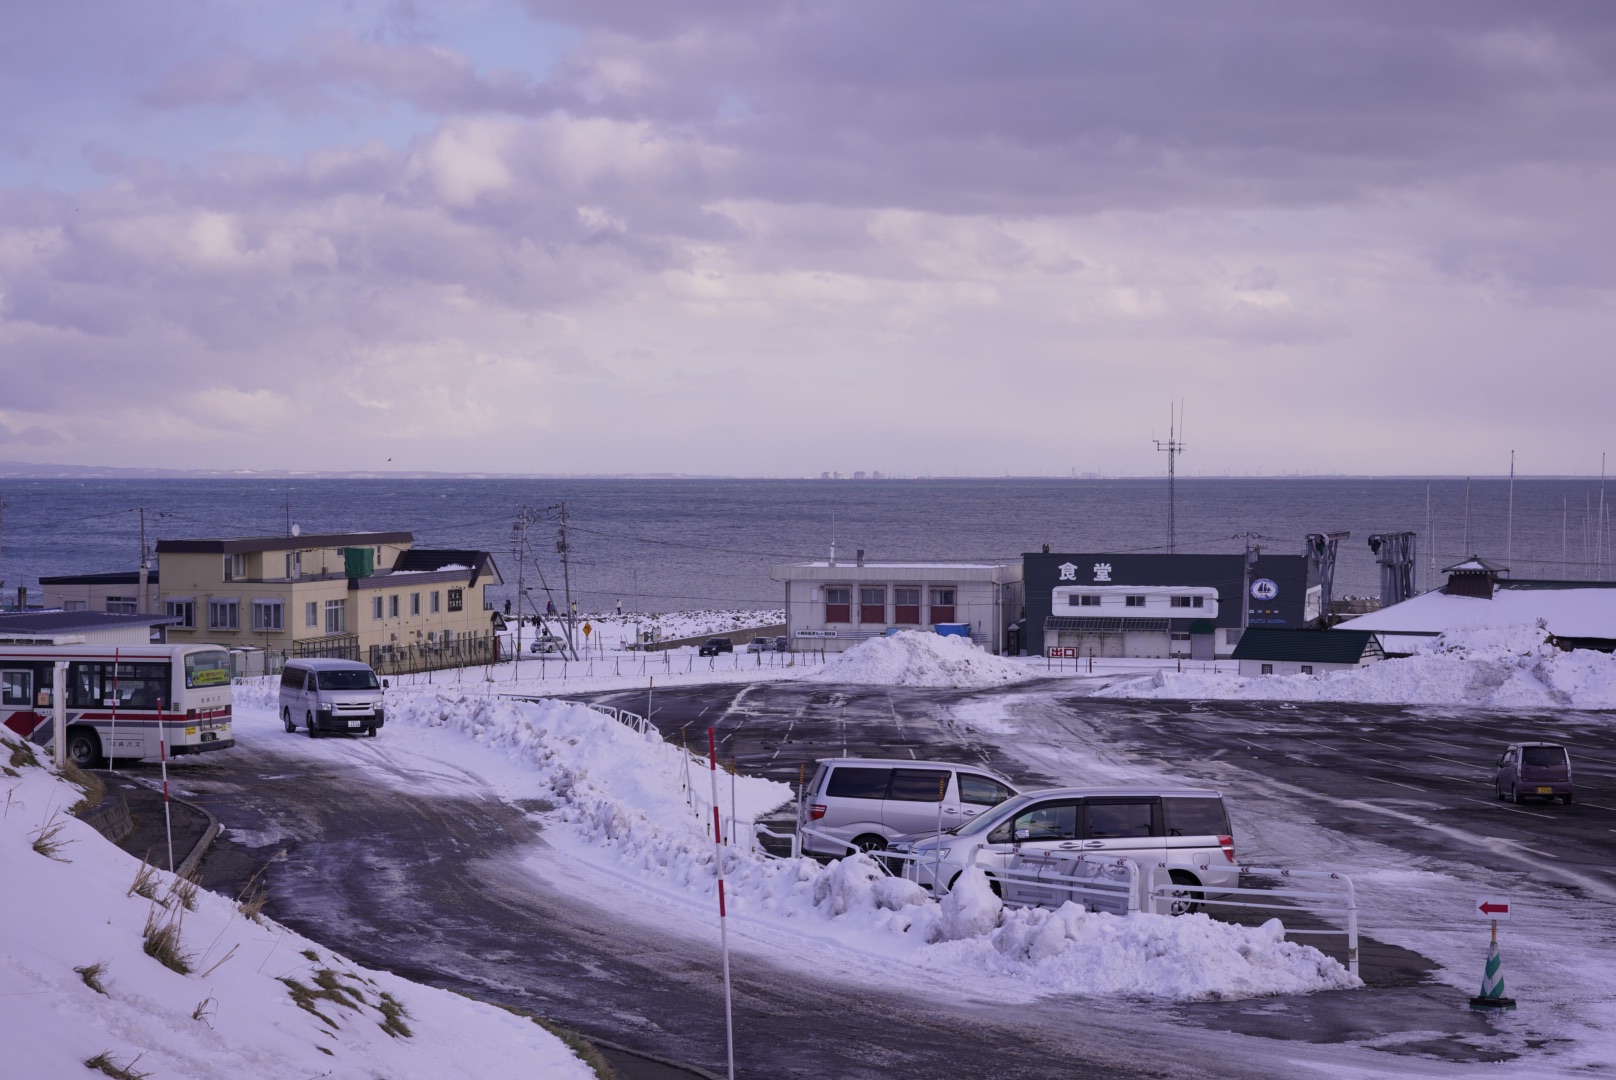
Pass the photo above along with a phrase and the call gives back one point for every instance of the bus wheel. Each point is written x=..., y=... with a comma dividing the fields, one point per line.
x=83, y=747
x=286, y=718
x=314, y=733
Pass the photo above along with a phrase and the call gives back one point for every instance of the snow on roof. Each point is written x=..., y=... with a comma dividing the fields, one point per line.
x=1568, y=612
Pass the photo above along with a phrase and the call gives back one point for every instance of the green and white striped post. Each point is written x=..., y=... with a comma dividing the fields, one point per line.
x=1492, y=980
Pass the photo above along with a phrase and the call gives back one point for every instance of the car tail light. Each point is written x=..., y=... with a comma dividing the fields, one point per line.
x=1227, y=844
x=816, y=811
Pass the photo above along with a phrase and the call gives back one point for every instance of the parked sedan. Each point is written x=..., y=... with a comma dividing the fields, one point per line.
x=715, y=645
x=759, y=644
x=1534, y=768
x=782, y=644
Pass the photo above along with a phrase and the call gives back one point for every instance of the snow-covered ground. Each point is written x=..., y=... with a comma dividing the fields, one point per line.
x=1510, y=668
x=80, y=982
x=610, y=631
x=631, y=822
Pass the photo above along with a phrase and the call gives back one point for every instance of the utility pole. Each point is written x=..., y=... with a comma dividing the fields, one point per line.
x=145, y=569
x=525, y=516
x=2, y=524
x=1172, y=447
x=566, y=579
x=1509, y=532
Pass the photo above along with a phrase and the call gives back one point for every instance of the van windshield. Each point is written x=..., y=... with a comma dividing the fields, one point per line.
x=999, y=813
x=349, y=679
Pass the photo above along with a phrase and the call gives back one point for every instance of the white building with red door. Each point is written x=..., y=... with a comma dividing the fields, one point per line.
x=835, y=605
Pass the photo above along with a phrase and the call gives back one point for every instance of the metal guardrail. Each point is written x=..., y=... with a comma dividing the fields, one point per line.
x=1343, y=902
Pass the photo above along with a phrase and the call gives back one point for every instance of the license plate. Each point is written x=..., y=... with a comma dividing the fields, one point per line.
x=354, y=723
x=1545, y=791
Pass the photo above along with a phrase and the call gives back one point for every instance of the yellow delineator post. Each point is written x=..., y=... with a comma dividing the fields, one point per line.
x=1492, y=980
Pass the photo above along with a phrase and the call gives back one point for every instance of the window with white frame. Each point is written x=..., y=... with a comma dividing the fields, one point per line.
x=294, y=564
x=268, y=615
x=435, y=602
x=75, y=605
x=122, y=605
x=311, y=613
x=224, y=614
x=183, y=610
x=235, y=567
x=336, y=616
x=376, y=607
x=1135, y=601
x=415, y=603
x=392, y=606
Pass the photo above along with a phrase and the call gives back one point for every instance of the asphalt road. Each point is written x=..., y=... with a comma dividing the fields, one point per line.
x=424, y=886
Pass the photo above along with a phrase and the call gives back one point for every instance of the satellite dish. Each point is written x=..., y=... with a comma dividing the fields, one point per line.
x=297, y=530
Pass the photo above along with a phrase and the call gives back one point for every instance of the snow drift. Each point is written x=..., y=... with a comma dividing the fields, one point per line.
x=1507, y=668
x=81, y=980
x=621, y=806
x=914, y=658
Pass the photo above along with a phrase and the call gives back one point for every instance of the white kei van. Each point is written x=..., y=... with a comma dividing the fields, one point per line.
x=868, y=802
x=1185, y=830
x=331, y=696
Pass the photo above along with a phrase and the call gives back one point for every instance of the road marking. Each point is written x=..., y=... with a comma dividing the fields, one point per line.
x=1502, y=806
x=1394, y=783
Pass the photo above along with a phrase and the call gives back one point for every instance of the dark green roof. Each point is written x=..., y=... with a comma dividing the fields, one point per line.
x=1307, y=646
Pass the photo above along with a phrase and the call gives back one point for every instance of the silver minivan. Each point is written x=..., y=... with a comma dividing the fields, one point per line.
x=868, y=802
x=331, y=696
x=1185, y=829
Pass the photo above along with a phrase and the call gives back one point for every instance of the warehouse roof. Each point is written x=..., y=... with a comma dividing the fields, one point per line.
x=1569, y=609
x=1308, y=646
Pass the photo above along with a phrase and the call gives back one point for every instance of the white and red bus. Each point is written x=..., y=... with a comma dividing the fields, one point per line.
x=121, y=699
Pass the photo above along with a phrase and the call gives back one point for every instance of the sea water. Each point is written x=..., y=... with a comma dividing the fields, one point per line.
x=674, y=544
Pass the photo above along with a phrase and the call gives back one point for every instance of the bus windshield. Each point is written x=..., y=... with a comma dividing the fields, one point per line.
x=211, y=668
x=363, y=679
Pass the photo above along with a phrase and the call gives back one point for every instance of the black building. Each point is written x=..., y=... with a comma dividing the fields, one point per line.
x=1158, y=605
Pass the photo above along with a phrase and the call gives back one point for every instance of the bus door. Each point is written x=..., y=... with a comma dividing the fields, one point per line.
x=17, y=701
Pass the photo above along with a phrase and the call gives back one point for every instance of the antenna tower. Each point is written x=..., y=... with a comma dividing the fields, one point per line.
x=1173, y=447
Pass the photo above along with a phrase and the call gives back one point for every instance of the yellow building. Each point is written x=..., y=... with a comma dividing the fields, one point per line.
x=363, y=596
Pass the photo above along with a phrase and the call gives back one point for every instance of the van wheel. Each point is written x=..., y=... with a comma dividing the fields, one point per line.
x=871, y=842
x=1515, y=795
x=1185, y=899
x=83, y=747
x=314, y=732
x=370, y=732
x=286, y=718
x=1567, y=798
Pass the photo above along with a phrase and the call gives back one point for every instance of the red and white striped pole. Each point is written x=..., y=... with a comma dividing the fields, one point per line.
x=162, y=755
x=723, y=922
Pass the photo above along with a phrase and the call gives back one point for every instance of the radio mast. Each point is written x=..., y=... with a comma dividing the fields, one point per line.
x=1173, y=447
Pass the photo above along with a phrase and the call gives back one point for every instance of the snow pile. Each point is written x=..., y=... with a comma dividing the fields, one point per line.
x=621, y=799
x=914, y=658
x=1499, y=668
x=81, y=981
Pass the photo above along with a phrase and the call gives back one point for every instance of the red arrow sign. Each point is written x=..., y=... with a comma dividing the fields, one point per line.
x=1492, y=908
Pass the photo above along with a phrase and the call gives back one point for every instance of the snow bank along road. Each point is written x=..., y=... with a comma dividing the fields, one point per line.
x=413, y=864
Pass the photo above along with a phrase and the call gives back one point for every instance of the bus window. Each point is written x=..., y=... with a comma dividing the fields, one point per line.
x=210, y=668
x=133, y=686
x=17, y=688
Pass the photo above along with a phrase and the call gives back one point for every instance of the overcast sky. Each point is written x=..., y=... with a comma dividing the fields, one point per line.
x=747, y=237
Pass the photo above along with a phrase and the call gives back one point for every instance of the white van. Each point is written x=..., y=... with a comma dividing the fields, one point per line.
x=331, y=696
x=868, y=802
x=1184, y=829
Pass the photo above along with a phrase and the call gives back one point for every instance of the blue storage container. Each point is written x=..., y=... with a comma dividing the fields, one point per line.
x=954, y=629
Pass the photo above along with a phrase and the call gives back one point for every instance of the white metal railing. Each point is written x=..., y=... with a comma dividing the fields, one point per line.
x=1341, y=902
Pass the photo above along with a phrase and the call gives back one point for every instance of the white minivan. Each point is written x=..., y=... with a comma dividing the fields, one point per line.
x=331, y=696
x=869, y=802
x=1184, y=831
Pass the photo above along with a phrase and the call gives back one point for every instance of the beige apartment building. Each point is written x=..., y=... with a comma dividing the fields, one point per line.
x=365, y=596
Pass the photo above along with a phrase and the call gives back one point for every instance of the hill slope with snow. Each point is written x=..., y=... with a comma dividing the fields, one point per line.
x=83, y=973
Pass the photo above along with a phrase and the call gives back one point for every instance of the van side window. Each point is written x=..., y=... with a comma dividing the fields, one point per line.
x=856, y=783
x=292, y=679
x=918, y=785
x=1195, y=817
x=1119, y=820
x=1046, y=821
x=980, y=791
